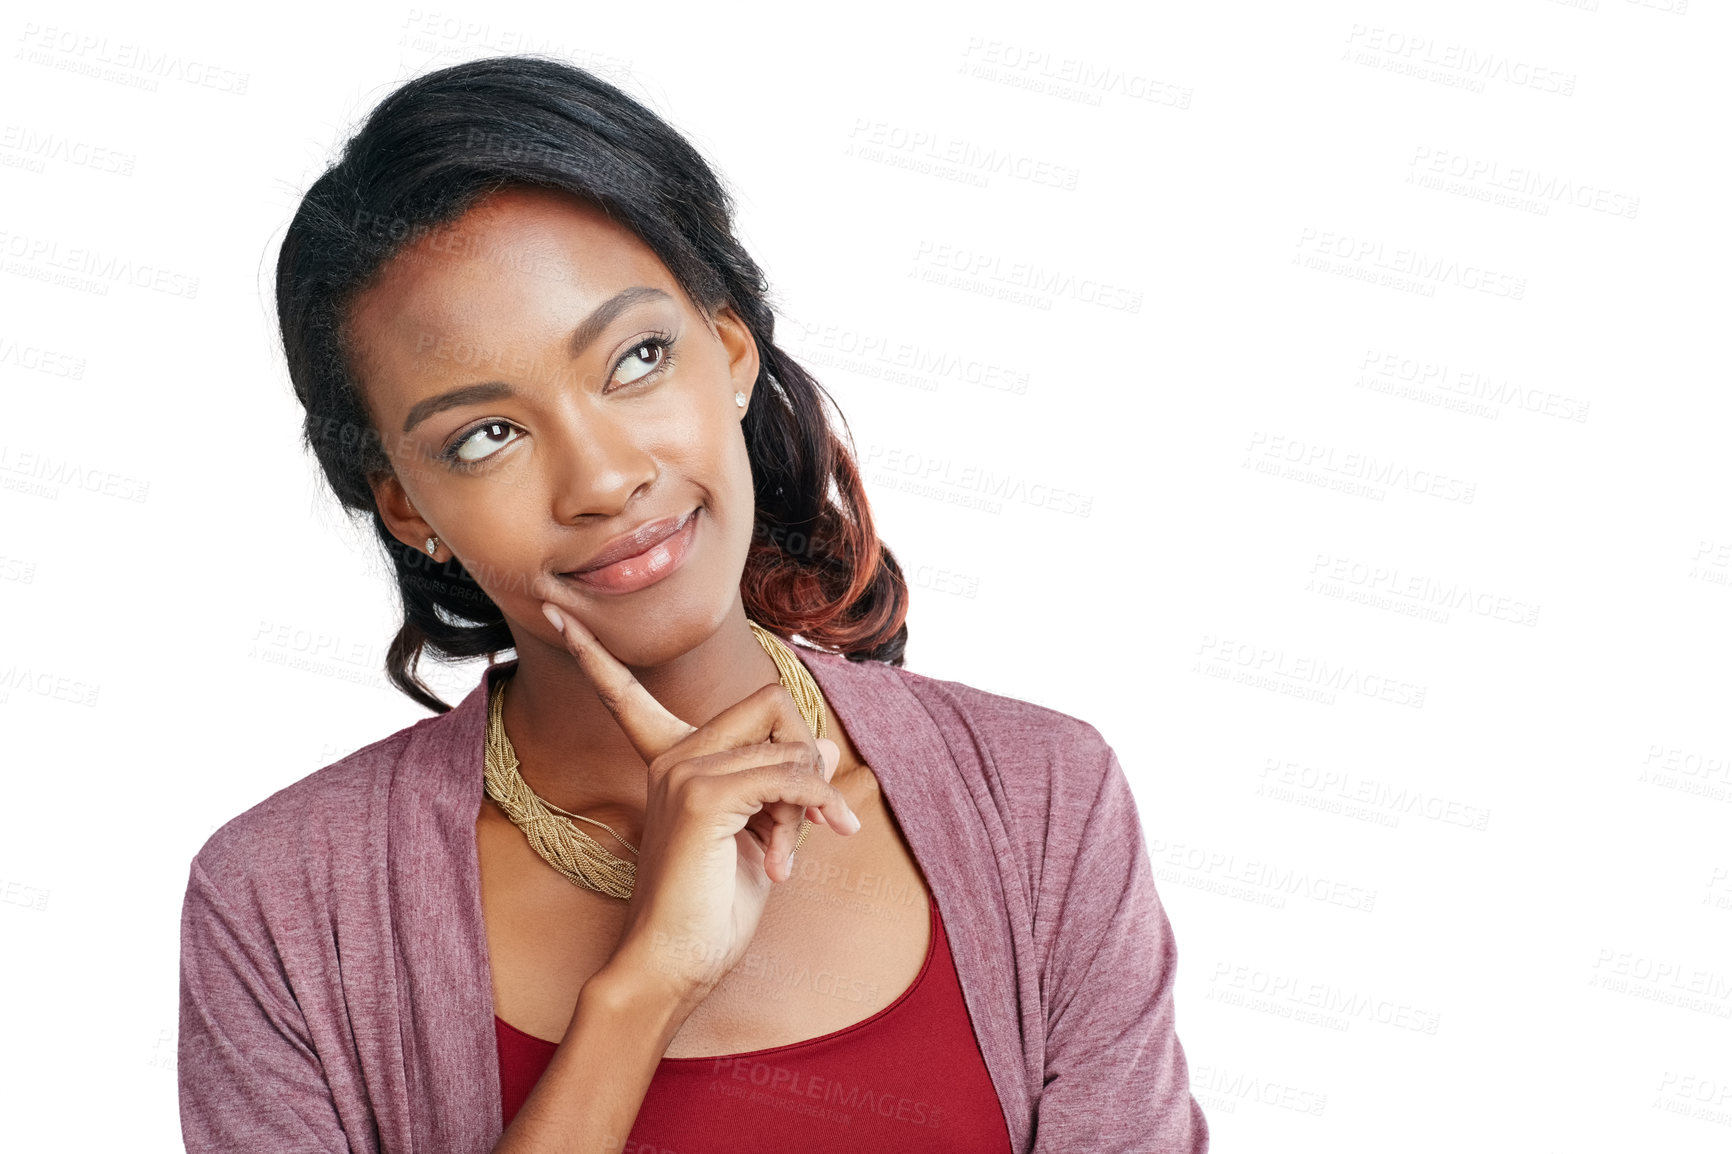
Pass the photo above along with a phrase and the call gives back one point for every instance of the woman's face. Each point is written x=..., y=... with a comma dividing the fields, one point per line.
x=543, y=386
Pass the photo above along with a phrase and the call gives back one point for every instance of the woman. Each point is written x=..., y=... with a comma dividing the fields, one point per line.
x=531, y=348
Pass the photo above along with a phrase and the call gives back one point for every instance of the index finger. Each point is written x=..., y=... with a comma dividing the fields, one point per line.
x=647, y=723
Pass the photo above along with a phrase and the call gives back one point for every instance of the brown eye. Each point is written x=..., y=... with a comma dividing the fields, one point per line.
x=483, y=441
x=648, y=356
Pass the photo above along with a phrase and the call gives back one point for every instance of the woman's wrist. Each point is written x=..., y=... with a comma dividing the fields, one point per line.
x=635, y=989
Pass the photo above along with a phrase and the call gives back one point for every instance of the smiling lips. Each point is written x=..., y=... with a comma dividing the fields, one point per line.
x=642, y=558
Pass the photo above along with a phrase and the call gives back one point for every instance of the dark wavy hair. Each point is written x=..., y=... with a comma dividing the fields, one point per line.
x=426, y=154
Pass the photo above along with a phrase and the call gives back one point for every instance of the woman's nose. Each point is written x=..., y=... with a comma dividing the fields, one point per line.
x=597, y=464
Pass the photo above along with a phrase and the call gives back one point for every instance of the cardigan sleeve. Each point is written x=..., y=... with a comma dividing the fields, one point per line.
x=1116, y=1077
x=249, y=1076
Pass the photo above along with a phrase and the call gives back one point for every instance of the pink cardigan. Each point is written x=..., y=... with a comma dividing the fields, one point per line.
x=335, y=989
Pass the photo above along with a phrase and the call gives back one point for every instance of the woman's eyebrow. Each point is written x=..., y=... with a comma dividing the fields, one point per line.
x=596, y=322
x=466, y=395
x=584, y=335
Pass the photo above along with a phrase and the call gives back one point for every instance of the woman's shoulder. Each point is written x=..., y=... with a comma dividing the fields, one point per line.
x=300, y=831
x=1044, y=783
x=1035, y=747
x=1016, y=718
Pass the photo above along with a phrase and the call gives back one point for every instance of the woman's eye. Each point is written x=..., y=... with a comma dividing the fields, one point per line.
x=648, y=356
x=483, y=442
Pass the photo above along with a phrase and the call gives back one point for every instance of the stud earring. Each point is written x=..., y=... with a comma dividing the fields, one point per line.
x=432, y=546
x=740, y=399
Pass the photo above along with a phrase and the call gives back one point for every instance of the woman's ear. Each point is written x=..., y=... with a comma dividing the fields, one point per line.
x=397, y=512
x=742, y=350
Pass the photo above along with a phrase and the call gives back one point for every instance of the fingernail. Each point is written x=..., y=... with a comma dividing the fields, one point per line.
x=554, y=616
x=854, y=820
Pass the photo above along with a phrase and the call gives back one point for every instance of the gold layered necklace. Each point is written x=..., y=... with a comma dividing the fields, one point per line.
x=553, y=833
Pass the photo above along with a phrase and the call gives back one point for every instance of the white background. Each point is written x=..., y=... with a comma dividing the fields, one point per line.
x=1404, y=583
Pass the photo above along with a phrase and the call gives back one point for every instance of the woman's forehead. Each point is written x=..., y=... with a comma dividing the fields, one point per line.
x=519, y=262
x=503, y=284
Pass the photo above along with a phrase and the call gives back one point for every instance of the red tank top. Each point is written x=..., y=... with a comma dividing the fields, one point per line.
x=910, y=1078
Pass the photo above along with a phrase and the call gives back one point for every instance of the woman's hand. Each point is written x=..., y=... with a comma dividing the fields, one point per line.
x=725, y=804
